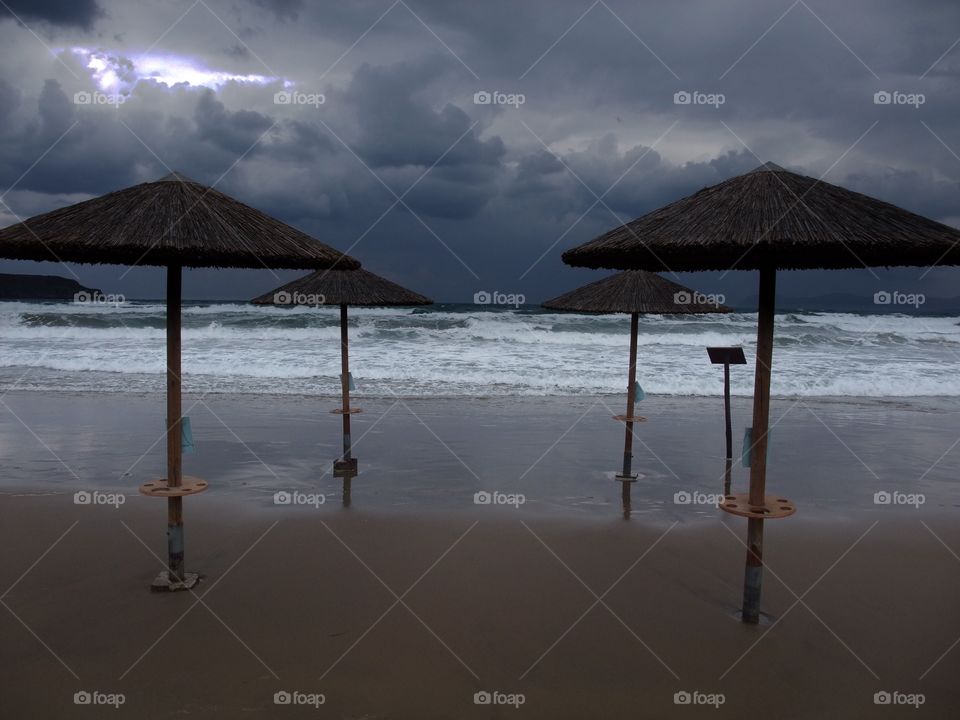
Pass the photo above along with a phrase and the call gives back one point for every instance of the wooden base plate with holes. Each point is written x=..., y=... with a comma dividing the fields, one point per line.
x=189, y=485
x=163, y=582
x=629, y=418
x=351, y=411
x=773, y=507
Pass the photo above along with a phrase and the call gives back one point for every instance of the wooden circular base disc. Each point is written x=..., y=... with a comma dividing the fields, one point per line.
x=629, y=418
x=773, y=507
x=189, y=485
x=351, y=411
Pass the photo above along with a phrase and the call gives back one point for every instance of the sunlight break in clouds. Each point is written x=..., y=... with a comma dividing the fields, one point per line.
x=120, y=73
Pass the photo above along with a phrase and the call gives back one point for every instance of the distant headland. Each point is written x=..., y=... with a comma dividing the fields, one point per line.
x=41, y=287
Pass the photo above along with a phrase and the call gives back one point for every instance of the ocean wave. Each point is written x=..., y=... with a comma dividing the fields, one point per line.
x=467, y=351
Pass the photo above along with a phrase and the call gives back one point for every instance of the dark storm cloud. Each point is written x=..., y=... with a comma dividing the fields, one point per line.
x=237, y=51
x=9, y=99
x=494, y=187
x=535, y=166
x=55, y=110
x=282, y=9
x=398, y=128
x=235, y=132
x=65, y=13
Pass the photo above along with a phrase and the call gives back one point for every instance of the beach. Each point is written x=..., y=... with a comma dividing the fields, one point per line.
x=409, y=598
x=454, y=360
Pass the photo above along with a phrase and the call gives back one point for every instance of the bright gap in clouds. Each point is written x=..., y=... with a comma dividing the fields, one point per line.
x=120, y=73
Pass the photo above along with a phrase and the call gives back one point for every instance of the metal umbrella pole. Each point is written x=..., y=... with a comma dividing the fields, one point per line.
x=627, y=475
x=175, y=486
x=346, y=466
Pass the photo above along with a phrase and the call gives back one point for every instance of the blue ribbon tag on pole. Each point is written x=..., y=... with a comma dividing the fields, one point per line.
x=351, y=385
x=638, y=393
x=748, y=446
x=186, y=435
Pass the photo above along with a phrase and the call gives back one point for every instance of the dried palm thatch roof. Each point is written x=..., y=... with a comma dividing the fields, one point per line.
x=342, y=287
x=635, y=291
x=173, y=220
x=770, y=217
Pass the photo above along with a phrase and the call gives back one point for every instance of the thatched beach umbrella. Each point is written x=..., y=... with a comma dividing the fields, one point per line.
x=635, y=292
x=174, y=222
x=766, y=220
x=343, y=288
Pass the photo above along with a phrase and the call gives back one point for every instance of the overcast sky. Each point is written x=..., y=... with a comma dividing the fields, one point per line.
x=402, y=167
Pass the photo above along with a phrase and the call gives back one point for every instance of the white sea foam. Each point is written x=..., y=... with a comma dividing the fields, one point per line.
x=466, y=351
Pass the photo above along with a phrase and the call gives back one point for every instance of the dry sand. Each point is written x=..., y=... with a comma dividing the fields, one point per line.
x=307, y=599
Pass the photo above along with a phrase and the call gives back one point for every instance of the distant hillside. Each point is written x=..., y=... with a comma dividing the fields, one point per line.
x=40, y=287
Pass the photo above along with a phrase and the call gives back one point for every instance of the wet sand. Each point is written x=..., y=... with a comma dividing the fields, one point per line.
x=303, y=598
x=415, y=455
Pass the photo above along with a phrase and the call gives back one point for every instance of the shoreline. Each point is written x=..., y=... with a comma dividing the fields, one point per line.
x=360, y=396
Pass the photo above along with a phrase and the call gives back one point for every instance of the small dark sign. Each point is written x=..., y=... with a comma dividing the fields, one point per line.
x=726, y=355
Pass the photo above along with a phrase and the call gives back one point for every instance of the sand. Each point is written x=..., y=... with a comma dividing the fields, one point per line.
x=491, y=599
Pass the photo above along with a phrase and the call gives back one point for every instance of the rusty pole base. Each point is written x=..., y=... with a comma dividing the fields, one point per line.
x=165, y=583
x=753, y=572
x=752, y=582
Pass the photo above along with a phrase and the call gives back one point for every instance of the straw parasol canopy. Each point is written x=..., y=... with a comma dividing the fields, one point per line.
x=173, y=220
x=343, y=288
x=635, y=291
x=178, y=223
x=769, y=219
x=772, y=217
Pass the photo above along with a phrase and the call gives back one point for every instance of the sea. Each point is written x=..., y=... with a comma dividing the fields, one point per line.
x=462, y=350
